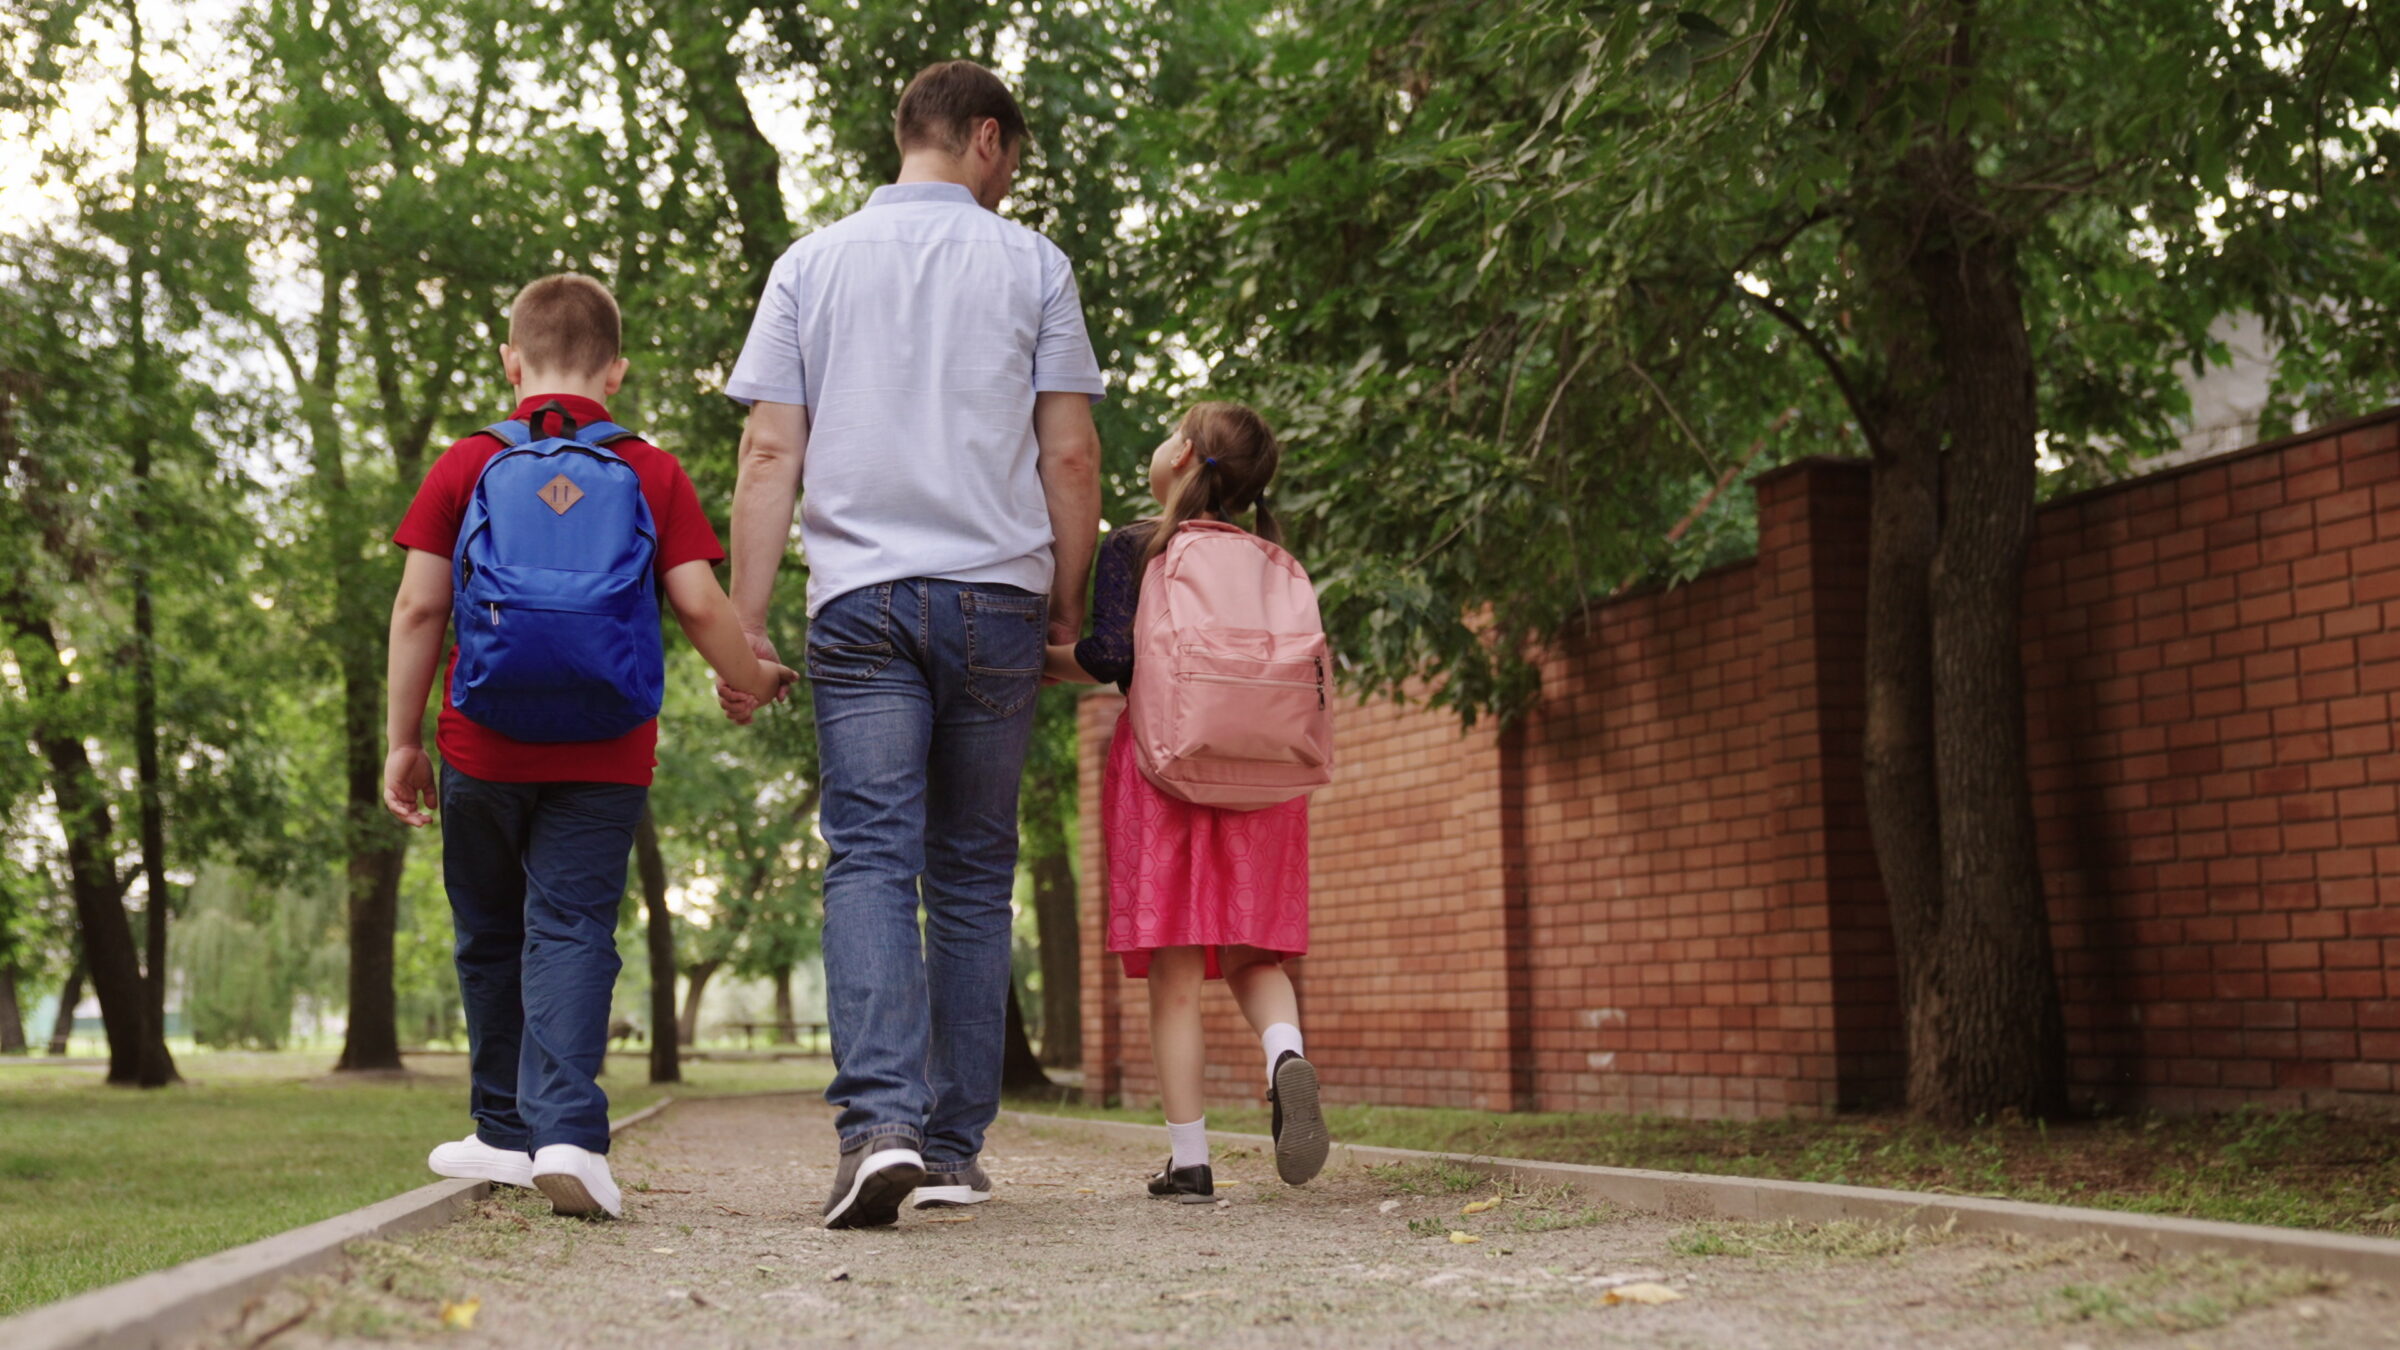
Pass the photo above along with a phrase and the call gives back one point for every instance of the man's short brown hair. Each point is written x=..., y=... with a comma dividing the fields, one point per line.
x=567, y=323
x=944, y=103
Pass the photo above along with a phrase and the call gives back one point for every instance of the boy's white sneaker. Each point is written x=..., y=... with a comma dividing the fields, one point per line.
x=471, y=1159
x=577, y=1181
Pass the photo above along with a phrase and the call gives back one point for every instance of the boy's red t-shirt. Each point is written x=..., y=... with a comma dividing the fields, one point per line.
x=432, y=525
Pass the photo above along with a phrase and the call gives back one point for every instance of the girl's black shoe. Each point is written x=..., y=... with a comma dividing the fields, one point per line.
x=1192, y=1185
x=1300, y=1138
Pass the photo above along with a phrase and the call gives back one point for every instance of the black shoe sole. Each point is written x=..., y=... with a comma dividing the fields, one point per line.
x=1301, y=1145
x=875, y=1199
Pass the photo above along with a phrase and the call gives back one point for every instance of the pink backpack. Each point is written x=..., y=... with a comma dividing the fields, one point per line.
x=1230, y=673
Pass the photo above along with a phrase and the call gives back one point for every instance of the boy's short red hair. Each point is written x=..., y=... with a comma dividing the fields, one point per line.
x=567, y=323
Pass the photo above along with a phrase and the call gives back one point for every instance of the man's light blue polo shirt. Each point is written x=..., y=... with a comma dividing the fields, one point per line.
x=917, y=332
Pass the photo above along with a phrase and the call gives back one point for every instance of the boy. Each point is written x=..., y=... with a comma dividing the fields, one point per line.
x=537, y=830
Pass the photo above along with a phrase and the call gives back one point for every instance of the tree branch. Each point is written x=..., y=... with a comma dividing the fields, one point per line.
x=1832, y=360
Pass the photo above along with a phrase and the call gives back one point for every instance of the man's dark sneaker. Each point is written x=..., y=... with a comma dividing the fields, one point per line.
x=874, y=1177
x=1193, y=1185
x=951, y=1189
x=1300, y=1138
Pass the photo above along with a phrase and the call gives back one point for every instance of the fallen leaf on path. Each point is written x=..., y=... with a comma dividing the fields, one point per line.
x=766, y=1270
x=460, y=1316
x=839, y=1275
x=1387, y=1207
x=1462, y=1239
x=1229, y=1183
x=695, y=1297
x=1479, y=1206
x=1195, y=1295
x=950, y=1218
x=663, y=1251
x=1085, y=1190
x=1640, y=1293
x=2387, y=1214
x=661, y=1190
x=738, y=1213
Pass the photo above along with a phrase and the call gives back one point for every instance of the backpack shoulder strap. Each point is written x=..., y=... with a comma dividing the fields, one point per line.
x=509, y=433
x=602, y=433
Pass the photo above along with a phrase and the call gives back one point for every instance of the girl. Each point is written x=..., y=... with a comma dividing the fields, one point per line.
x=1196, y=892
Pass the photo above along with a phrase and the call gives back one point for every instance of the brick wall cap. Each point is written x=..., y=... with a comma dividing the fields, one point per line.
x=2328, y=432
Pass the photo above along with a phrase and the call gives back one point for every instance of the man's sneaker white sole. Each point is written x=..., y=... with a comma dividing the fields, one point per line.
x=884, y=1179
x=948, y=1197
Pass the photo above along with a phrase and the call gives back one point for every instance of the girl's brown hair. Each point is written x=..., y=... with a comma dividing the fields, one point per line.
x=1238, y=456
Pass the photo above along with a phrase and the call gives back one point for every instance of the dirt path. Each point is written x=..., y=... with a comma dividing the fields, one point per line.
x=721, y=1247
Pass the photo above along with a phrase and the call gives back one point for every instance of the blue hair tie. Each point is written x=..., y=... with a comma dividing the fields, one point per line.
x=1209, y=460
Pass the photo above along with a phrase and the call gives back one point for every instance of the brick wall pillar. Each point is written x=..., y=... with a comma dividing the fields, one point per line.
x=1831, y=1033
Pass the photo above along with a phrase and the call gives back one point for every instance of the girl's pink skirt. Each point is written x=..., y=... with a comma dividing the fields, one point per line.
x=1181, y=875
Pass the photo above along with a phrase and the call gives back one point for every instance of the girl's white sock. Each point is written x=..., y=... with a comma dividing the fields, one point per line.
x=1278, y=1038
x=1190, y=1143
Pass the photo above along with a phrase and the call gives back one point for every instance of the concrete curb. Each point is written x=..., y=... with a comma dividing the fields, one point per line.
x=1687, y=1195
x=167, y=1307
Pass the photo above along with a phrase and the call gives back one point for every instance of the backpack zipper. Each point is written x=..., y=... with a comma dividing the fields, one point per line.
x=1210, y=677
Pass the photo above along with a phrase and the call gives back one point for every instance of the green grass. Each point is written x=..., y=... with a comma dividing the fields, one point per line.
x=2186, y=1293
x=99, y=1184
x=2292, y=1169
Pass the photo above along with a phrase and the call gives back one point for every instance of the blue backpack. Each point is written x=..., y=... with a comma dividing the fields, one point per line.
x=556, y=601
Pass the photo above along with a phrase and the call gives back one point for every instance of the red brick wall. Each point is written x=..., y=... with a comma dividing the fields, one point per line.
x=2210, y=660
x=1658, y=893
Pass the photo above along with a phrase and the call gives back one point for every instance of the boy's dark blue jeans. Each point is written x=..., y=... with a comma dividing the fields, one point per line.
x=536, y=873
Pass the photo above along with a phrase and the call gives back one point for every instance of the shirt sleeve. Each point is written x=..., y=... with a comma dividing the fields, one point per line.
x=771, y=368
x=684, y=534
x=1107, y=655
x=440, y=506
x=1062, y=353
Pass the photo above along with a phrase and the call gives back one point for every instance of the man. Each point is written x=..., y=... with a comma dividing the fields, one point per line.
x=921, y=369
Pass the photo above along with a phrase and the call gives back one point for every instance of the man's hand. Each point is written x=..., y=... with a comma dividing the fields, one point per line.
x=1066, y=619
x=741, y=707
x=408, y=789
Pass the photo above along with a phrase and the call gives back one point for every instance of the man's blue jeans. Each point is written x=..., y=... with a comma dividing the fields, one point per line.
x=924, y=693
x=536, y=873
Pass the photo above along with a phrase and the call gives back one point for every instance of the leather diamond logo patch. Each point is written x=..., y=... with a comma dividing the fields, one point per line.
x=560, y=493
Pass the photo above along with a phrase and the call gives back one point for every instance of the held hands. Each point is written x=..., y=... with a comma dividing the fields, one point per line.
x=743, y=704
x=408, y=788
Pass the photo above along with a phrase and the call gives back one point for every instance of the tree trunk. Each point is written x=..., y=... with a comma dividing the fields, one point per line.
x=2002, y=1038
x=1061, y=952
x=12, y=1015
x=666, y=1061
x=785, y=1032
x=106, y=937
x=1020, y=1068
x=157, y=1070
x=62, y=1026
x=688, y=1029
x=1944, y=744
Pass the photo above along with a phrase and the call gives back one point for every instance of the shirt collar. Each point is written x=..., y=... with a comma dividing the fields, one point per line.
x=903, y=194
x=583, y=410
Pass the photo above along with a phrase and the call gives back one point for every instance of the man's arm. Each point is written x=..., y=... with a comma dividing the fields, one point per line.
x=420, y=618
x=1070, y=469
x=774, y=448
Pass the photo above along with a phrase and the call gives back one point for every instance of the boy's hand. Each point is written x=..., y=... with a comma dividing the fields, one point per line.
x=408, y=789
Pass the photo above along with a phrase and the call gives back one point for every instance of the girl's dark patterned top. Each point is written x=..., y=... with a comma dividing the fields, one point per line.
x=1107, y=655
